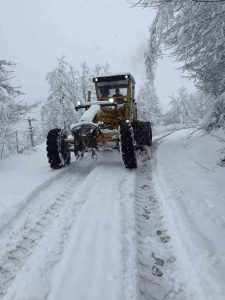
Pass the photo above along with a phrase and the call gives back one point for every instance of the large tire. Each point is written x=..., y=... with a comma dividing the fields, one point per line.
x=127, y=147
x=58, y=155
x=142, y=133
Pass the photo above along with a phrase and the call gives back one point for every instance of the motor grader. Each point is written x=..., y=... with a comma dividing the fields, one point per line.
x=109, y=121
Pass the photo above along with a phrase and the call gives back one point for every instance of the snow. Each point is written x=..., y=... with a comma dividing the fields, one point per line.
x=190, y=181
x=88, y=117
x=18, y=183
x=79, y=124
x=93, y=254
x=96, y=230
x=116, y=74
x=99, y=241
x=90, y=114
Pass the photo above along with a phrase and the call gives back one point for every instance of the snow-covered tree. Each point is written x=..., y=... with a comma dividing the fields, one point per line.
x=154, y=47
x=58, y=111
x=182, y=108
x=148, y=104
x=11, y=110
x=201, y=103
x=195, y=31
x=67, y=86
x=188, y=109
x=85, y=78
x=101, y=70
x=215, y=116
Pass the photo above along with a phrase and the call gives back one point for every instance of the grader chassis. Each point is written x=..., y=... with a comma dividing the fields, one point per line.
x=111, y=120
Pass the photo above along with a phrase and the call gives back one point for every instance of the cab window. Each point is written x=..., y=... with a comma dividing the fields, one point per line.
x=107, y=89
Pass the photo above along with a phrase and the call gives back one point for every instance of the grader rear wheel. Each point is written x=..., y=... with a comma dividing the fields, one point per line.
x=142, y=133
x=127, y=147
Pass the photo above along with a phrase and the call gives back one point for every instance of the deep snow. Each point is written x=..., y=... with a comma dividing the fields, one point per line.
x=97, y=231
x=190, y=181
x=21, y=176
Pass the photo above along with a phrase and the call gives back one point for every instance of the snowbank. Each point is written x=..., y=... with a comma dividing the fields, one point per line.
x=21, y=176
x=191, y=183
x=216, y=116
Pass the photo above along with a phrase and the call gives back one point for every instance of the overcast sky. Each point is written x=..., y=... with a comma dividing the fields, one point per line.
x=34, y=33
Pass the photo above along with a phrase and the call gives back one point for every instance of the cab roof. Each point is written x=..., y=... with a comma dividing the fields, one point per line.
x=114, y=77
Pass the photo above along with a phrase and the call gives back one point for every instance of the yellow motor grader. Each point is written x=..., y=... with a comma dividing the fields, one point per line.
x=111, y=120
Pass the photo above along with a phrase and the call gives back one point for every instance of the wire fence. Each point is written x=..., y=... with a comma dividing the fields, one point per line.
x=17, y=141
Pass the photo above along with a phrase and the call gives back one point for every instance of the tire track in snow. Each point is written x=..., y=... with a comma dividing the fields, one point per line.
x=13, y=259
x=103, y=234
x=156, y=262
x=126, y=191
x=93, y=267
x=21, y=244
x=30, y=196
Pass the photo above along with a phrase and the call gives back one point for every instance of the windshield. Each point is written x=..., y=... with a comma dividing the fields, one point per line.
x=112, y=89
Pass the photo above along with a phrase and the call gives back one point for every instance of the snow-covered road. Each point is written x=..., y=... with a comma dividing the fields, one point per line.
x=97, y=231
x=83, y=231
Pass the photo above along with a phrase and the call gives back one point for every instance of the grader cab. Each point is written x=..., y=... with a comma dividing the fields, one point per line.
x=111, y=120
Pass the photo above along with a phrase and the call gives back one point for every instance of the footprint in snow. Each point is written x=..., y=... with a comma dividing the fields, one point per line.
x=146, y=216
x=144, y=186
x=160, y=232
x=147, y=211
x=158, y=261
x=172, y=259
x=165, y=239
x=156, y=271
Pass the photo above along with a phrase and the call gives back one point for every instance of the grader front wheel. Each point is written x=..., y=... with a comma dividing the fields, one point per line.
x=58, y=155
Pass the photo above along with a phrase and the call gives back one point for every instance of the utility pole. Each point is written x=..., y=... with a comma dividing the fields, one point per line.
x=17, y=142
x=64, y=123
x=3, y=146
x=31, y=131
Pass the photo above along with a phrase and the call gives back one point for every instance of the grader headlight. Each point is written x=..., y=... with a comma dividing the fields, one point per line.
x=111, y=100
